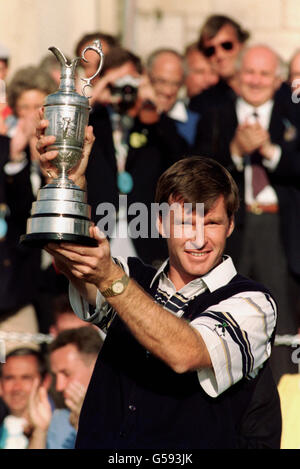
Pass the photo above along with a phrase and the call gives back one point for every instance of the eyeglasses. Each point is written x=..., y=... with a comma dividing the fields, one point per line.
x=211, y=50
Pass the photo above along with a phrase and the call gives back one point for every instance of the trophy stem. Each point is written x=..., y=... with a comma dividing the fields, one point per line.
x=63, y=180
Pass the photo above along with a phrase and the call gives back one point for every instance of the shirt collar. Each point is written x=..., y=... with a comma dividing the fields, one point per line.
x=178, y=112
x=220, y=275
x=263, y=109
x=216, y=278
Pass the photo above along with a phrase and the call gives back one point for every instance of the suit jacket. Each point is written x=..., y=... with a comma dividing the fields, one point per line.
x=146, y=161
x=215, y=133
x=4, y=154
x=19, y=265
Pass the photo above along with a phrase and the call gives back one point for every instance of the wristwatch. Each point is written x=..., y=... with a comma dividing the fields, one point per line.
x=117, y=287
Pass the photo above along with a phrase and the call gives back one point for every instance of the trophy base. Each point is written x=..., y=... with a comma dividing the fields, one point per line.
x=60, y=214
x=40, y=240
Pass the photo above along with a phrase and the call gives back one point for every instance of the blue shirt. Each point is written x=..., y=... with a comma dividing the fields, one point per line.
x=61, y=434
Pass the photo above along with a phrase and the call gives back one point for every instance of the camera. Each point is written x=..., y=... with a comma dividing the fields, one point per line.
x=125, y=89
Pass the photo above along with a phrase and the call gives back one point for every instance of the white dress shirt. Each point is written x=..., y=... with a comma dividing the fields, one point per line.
x=250, y=320
x=244, y=112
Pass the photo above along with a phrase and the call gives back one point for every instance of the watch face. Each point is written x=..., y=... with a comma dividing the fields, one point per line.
x=118, y=287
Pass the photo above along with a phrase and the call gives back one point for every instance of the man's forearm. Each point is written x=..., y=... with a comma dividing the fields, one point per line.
x=170, y=338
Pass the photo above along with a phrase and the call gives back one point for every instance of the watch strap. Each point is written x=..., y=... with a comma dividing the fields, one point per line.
x=110, y=290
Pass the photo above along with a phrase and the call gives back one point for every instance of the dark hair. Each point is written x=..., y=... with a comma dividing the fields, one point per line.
x=190, y=48
x=25, y=352
x=61, y=304
x=86, y=339
x=5, y=60
x=214, y=23
x=198, y=179
x=112, y=41
x=118, y=56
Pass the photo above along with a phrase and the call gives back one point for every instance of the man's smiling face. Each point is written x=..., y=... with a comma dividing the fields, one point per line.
x=194, y=254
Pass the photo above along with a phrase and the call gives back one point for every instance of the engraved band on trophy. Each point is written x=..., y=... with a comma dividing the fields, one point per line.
x=61, y=212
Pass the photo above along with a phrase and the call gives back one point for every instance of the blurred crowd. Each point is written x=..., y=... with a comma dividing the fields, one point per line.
x=220, y=98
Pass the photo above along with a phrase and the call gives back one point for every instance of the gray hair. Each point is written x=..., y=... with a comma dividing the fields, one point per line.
x=29, y=78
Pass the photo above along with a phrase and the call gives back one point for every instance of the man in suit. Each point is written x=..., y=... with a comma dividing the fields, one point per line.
x=166, y=72
x=199, y=73
x=221, y=40
x=19, y=266
x=260, y=145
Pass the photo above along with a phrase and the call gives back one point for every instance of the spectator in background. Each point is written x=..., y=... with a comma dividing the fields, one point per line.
x=133, y=146
x=20, y=267
x=22, y=368
x=166, y=72
x=26, y=94
x=73, y=354
x=294, y=69
x=63, y=316
x=260, y=145
x=221, y=40
x=4, y=61
x=51, y=65
x=293, y=91
x=5, y=110
x=199, y=72
x=107, y=41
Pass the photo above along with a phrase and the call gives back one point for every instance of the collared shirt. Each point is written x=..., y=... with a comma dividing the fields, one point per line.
x=236, y=331
x=185, y=120
x=244, y=113
x=179, y=112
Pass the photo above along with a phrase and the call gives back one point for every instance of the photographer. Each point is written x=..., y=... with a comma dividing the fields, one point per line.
x=133, y=147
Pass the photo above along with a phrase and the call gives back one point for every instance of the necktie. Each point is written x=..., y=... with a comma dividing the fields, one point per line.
x=259, y=175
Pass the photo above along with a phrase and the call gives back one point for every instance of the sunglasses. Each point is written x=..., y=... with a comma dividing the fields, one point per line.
x=210, y=51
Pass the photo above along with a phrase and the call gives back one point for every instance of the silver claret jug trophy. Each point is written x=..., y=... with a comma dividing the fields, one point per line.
x=61, y=212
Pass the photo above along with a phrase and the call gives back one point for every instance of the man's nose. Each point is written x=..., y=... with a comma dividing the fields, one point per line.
x=196, y=239
x=60, y=383
x=255, y=79
x=17, y=385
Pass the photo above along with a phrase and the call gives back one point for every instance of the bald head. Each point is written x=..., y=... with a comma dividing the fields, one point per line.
x=294, y=67
x=259, y=74
x=166, y=72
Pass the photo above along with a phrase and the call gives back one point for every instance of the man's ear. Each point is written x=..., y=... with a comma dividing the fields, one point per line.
x=159, y=225
x=47, y=381
x=231, y=226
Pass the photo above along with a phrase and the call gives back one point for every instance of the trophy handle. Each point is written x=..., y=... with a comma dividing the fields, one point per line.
x=97, y=48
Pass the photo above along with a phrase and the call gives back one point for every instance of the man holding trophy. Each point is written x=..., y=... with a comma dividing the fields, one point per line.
x=185, y=349
x=162, y=367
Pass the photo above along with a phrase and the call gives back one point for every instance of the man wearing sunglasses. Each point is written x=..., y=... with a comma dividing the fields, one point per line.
x=221, y=41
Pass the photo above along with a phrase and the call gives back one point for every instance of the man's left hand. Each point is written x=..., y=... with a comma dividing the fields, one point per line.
x=91, y=264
